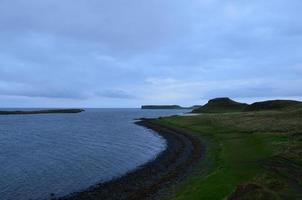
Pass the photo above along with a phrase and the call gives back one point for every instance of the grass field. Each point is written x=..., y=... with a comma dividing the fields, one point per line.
x=249, y=155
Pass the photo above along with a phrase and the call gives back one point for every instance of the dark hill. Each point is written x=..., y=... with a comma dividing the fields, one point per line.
x=221, y=105
x=280, y=105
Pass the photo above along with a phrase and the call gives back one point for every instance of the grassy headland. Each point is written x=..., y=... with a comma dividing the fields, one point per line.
x=249, y=155
x=221, y=105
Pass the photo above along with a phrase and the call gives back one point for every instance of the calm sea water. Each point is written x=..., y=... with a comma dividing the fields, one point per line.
x=64, y=153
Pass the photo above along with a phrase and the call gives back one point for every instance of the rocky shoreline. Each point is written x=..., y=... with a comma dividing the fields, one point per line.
x=151, y=180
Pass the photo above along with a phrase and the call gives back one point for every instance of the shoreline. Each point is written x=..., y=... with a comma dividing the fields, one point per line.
x=151, y=180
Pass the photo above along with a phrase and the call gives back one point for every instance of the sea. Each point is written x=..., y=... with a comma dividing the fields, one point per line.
x=47, y=155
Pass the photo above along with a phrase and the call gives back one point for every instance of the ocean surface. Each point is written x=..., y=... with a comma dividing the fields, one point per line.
x=59, y=154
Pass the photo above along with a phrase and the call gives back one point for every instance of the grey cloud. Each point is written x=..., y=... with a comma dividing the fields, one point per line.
x=43, y=91
x=116, y=25
x=67, y=49
x=262, y=91
x=118, y=94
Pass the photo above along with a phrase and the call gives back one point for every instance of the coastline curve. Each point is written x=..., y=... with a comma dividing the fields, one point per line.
x=183, y=152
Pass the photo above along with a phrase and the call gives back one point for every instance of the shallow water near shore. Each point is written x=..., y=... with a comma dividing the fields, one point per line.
x=65, y=153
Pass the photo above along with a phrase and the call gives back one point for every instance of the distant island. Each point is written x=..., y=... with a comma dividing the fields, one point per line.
x=168, y=107
x=49, y=111
x=161, y=107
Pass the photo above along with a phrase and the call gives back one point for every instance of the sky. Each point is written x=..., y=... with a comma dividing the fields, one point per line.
x=117, y=53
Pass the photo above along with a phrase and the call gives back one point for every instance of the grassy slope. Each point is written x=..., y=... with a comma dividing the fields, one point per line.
x=220, y=109
x=280, y=105
x=243, y=148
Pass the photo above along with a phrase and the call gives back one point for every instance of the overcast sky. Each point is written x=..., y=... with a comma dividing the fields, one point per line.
x=124, y=53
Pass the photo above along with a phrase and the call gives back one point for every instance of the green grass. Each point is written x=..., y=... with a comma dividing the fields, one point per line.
x=220, y=109
x=244, y=148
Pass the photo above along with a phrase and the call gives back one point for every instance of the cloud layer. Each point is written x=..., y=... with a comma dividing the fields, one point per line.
x=126, y=53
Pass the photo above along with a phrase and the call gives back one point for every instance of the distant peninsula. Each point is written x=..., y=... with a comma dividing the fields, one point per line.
x=161, y=107
x=167, y=107
x=48, y=111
